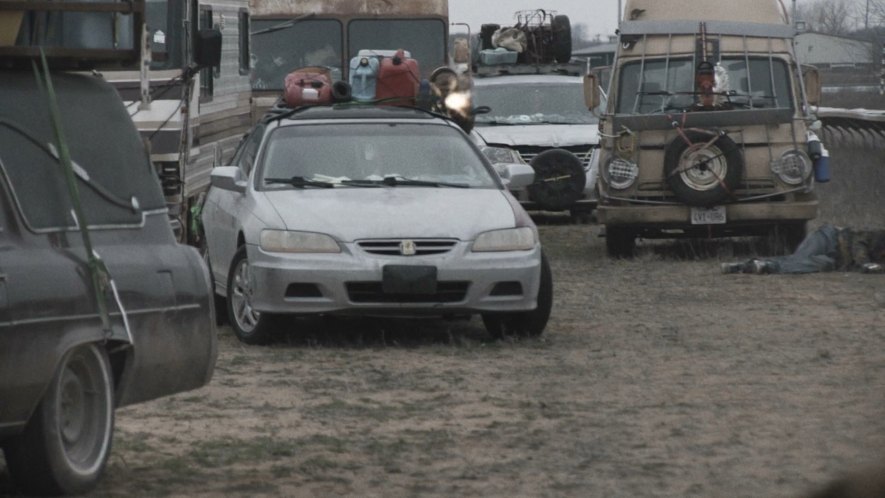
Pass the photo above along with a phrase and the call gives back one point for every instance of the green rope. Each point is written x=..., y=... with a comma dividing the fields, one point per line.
x=97, y=268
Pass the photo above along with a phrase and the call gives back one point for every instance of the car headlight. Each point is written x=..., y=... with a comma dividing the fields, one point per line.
x=298, y=242
x=621, y=174
x=793, y=168
x=502, y=155
x=510, y=239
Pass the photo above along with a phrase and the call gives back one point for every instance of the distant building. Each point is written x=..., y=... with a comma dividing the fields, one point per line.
x=835, y=52
x=598, y=55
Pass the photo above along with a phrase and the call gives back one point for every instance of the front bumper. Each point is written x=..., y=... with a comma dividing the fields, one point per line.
x=680, y=216
x=350, y=282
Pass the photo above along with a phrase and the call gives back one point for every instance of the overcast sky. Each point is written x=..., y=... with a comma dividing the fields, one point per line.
x=600, y=16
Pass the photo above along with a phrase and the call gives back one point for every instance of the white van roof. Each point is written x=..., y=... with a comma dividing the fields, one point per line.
x=755, y=11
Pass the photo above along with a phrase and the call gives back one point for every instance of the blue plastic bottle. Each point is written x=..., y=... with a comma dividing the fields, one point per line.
x=364, y=77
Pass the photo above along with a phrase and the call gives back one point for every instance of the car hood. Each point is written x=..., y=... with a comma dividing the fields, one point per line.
x=540, y=135
x=350, y=214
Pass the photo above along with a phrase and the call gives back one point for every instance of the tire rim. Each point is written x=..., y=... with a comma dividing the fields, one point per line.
x=703, y=168
x=85, y=411
x=241, y=299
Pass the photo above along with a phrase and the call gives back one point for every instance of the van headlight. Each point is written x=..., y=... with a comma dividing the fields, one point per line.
x=621, y=174
x=510, y=239
x=793, y=168
x=297, y=242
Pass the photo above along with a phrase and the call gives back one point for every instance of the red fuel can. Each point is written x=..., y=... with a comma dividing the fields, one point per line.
x=308, y=86
x=398, y=80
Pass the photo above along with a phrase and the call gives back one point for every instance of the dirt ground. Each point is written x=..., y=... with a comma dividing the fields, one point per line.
x=656, y=376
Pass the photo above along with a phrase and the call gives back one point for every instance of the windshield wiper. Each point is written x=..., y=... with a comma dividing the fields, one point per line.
x=298, y=182
x=395, y=181
x=282, y=25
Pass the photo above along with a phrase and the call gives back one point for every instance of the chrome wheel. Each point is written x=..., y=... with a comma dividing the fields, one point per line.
x=241, y=298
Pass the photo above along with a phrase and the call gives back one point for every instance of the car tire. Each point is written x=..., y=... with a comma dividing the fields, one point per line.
x=562, y=39
x=559, y=180
x=66, y=443
x=525, y=323
x=703, y=184
x=620, y=242
x=250, y=326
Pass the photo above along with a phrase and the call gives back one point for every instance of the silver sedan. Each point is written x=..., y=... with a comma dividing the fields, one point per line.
x=372, y=211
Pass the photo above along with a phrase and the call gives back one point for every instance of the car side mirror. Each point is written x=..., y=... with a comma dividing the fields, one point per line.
x=228, y=178
x=516, y=176
x=591, y=92
x=812, y=84
x=207, y=48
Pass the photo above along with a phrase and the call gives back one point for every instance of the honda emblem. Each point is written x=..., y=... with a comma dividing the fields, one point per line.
x=407, y=248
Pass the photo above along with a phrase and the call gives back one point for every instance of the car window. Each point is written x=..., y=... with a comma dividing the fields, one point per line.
x=522, y=103
x=373, y=151
x=245, y=157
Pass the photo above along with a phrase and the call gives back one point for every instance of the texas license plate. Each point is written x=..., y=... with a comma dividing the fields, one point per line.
x=401, y=279
x=708, y=216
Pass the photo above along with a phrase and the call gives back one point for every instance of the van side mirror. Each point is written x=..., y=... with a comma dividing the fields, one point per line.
x=207, y=48
x=812, y=84
x=591, y=92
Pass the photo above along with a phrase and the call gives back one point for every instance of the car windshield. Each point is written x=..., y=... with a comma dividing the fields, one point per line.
x=524, y=104
x=355, y=155
x=662, y=86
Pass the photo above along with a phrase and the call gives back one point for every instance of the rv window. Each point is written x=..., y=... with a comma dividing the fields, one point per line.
x=425, y=39
x=668, y=86
x=245, y=55
x=207, y=75
x=164, y=33
x=279, y=46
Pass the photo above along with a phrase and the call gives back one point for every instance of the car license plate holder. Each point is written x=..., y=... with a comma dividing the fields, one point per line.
x=715, y=215
x=409, y=279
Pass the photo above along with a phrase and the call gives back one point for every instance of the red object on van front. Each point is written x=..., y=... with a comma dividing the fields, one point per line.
x=308, y=86
x=398, y=80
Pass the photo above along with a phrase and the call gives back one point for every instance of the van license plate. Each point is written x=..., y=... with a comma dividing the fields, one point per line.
x=708, y=216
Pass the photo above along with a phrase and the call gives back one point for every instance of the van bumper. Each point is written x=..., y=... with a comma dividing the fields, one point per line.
x=678, y=216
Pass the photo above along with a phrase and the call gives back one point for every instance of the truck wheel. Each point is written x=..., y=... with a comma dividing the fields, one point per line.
x=559, y=180
x=620, y=242
x=250, y=326
x=526, y=323
x=700, y=174
x=66, y=444
x=562, y=39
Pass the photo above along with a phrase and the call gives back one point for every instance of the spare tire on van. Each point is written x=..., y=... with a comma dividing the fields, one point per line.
x=703, y=168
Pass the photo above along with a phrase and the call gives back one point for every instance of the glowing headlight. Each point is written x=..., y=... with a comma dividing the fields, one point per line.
x=793, y=168
x=501, y=155
x=511, y=239
x=298, y=242
x=621, y=173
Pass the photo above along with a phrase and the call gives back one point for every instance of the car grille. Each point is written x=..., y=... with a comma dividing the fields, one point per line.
x=582, y=151
x=391, y=247
x=373, y=292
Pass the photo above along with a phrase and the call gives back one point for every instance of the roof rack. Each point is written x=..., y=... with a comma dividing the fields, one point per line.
x=569, y=69
x=96, y=35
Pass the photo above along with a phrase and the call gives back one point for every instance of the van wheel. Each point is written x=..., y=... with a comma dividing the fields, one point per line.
x=562, y=39
x=66, y=444
x=525, y=323
x=701, y=174
x=250, y=326
x=620, y=242
x=559, y=180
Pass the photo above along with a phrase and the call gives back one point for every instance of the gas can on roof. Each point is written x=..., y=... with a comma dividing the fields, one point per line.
x=398, y=79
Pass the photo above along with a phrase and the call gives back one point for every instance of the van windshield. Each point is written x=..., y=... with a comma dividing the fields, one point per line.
x=424, y=39
x=661, y=86
x=279, y=46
